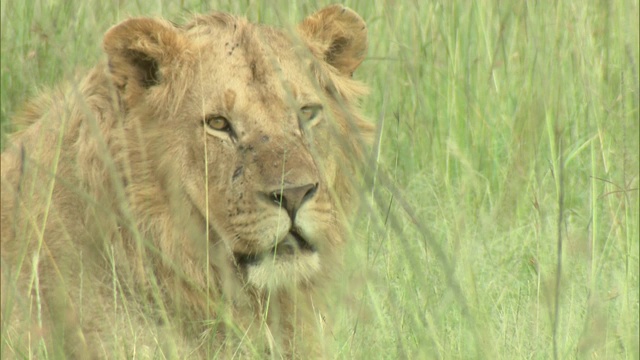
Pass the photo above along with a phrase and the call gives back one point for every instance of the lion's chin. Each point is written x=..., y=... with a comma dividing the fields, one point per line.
x=292, y=261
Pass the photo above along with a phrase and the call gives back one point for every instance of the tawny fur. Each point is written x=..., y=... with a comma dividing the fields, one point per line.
x=124, y=214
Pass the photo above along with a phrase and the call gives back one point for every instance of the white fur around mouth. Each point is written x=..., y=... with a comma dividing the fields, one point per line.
x=292, y=261
x=292, y=245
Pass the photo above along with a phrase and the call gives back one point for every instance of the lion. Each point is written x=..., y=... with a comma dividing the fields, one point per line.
x=190, y=196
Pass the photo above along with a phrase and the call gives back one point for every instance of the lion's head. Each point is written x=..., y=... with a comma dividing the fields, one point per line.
x=271, y=113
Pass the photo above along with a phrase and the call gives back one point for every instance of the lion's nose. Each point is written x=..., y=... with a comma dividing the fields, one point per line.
x=292, y=198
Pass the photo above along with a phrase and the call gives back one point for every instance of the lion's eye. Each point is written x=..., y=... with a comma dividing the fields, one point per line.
x=308, y=113
x=217, y=123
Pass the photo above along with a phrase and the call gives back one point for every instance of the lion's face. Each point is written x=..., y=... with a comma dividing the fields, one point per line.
x=250, y=124
x=268, y=190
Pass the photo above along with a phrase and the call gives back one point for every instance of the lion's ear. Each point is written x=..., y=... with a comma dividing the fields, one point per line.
x=337, y=35
x=138, y=50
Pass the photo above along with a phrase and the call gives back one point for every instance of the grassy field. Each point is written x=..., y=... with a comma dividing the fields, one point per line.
x=504, y=217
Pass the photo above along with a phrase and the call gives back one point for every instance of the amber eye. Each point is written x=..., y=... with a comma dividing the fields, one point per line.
x=217, y=122
x=309, y=113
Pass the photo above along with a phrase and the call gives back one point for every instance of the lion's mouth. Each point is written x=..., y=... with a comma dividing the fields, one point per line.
x=290, y=245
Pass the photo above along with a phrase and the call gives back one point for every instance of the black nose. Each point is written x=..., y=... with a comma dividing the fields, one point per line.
x=292, y=198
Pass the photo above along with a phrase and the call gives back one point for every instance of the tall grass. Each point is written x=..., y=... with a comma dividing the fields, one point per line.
x=503, y=217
